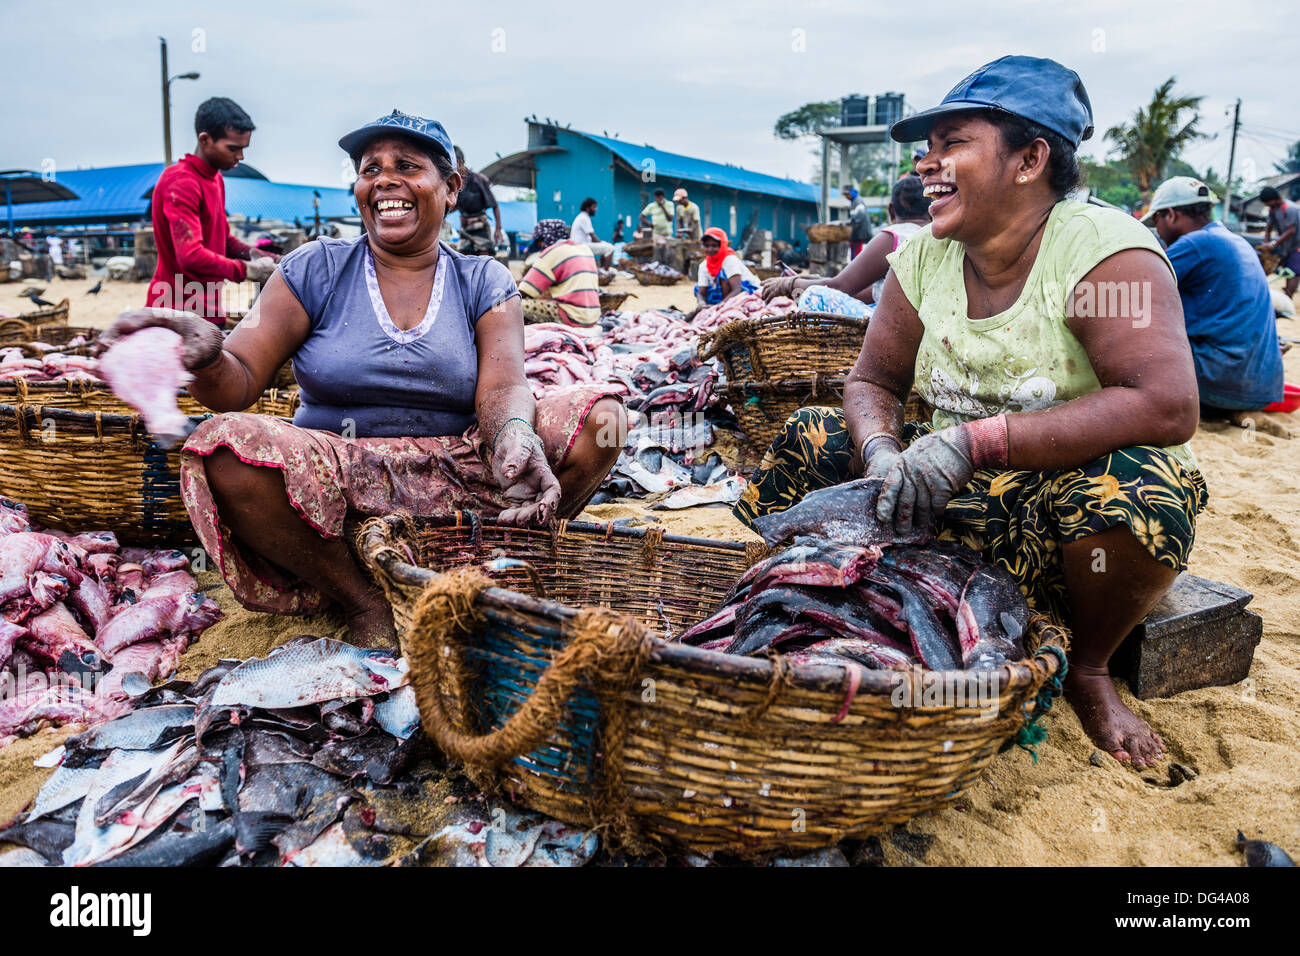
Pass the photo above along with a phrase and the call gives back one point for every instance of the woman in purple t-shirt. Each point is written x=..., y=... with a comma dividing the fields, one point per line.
x=411, y=365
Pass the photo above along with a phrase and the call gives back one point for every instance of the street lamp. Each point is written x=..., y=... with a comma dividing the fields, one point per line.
x=167, y=100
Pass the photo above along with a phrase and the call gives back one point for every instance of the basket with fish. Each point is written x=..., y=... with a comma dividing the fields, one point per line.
x=656, y=273
x=630, y=680
x=69, y=339
x=796, y=344
x=77, y=469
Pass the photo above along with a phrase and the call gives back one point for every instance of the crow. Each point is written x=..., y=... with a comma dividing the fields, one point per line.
x=95, y=290
x=37, y=300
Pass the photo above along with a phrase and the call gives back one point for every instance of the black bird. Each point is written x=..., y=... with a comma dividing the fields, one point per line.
x=95, y=291
x=37, y=300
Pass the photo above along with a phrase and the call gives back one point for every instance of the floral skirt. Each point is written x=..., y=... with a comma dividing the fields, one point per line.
x=329, y=478
x=1017, y=519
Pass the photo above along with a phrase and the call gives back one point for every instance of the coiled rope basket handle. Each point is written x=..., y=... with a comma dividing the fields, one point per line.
x=604, y=648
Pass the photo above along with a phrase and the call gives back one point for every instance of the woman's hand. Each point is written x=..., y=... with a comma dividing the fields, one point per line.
x=919, y=482
x=201, y=340
x=778, y=286
x=520, y=469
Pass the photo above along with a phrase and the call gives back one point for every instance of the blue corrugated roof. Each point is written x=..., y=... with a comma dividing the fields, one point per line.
x=677, y=166
x=284, y=201
x=117, y=193
x=515, y=217
x=109, y=193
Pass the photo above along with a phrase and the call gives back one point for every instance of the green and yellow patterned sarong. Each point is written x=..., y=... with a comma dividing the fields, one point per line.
x=1017, y=519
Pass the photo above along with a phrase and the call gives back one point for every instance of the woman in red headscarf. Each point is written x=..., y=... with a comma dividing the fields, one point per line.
x=722, y=274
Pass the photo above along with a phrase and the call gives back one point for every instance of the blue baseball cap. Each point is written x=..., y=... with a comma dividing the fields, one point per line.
x=429, y=132
x=1039, y=90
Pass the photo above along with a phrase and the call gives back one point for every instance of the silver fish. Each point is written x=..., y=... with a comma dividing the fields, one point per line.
x=119, y=767
x=309, y=673
x=399, y=714
x=138, y=730
x=66, y=786
x=331, y=848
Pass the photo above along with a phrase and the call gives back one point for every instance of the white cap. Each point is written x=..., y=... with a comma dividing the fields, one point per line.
x=1179, y=191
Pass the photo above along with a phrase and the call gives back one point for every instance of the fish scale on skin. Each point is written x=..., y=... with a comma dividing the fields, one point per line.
x=311, y=673
x=145, y=370
x=139, y=730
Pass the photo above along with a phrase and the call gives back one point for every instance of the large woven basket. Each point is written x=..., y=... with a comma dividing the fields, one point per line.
x=86, y=471
x=794, y=345
x=645, y=277
x=59, y=336
x=688, y=747
x=22, y=328
x=98, y=397
x=612, y=301
x=828, y=232
x=762, y=408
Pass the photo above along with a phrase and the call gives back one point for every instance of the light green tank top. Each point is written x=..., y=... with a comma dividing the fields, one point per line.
x=1026, y=358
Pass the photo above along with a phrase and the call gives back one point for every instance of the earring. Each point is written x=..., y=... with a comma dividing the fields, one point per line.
x=1023, y=179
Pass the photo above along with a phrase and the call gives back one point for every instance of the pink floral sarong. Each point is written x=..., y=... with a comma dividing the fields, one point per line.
x=329, y=477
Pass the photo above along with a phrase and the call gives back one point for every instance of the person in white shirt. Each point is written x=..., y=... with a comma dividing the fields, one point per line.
x=583, y=231
x=722, y=274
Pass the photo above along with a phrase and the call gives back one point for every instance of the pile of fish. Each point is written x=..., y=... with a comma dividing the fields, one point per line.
x=52, y=365
x=850, y=589
x=300, y=758
x=659, y=269
x=747, y=305
x=78, y=615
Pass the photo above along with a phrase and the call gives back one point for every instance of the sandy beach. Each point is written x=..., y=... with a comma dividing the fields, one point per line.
x=1240, y=741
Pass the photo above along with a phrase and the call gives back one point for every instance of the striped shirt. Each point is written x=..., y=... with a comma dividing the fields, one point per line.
x=568, y=270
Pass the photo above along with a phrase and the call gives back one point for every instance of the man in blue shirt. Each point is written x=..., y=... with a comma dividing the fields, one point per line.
x=1226, y=302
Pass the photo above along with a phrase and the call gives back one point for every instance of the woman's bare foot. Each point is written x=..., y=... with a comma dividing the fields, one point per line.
x=1107, y=722
x=370, y=623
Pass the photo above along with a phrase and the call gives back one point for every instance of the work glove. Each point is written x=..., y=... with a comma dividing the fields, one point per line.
x=260, y=269
x=777, y=286
x=520, y=469
x=919, y=482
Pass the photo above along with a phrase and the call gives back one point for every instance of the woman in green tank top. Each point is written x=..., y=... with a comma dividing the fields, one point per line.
x=1047, y=335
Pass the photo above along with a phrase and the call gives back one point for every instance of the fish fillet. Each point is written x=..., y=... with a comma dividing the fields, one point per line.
x=145, y=371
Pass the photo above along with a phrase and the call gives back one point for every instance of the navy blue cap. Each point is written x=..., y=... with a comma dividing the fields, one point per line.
x=426, y=131
x=1039, y=90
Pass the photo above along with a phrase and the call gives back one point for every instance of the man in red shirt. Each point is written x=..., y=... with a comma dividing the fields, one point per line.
x=196, y=252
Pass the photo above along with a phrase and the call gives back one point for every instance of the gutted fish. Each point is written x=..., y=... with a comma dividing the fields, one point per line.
x=145, y=370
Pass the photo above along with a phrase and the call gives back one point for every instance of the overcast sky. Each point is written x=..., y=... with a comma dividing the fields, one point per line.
x=708, y=80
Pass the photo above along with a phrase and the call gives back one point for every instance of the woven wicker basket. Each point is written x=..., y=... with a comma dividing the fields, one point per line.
x=700, y=749
x=766, y=272
x=83, y=471
x=654, y=278
x=828, y=232
x=794, y=345
x=59, y=336
x=762, y=408
x=23, y=327
x=612, y=301
x=98, y=397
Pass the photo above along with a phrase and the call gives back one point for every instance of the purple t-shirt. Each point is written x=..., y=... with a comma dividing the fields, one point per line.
x=361, y=375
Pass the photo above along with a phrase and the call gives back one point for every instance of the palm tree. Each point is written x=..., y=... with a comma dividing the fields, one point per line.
x=1157, y=134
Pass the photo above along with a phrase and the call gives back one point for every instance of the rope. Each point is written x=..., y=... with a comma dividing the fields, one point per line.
x=1033, y=733
x=603, y=650
x=780, y=677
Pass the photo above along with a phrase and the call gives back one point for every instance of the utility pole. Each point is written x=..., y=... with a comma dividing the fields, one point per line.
x=166, y=105
x=1232, y=156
